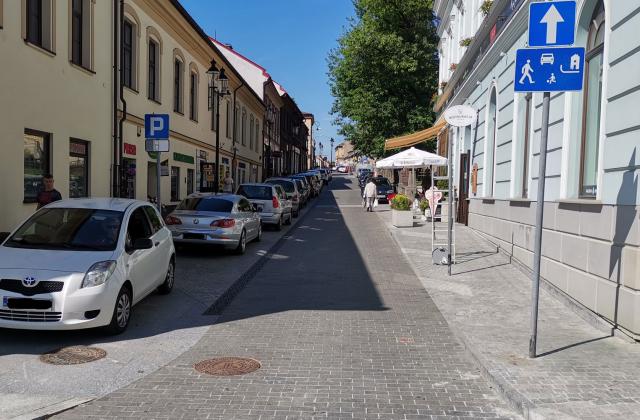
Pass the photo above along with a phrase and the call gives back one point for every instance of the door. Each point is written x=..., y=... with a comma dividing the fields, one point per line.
x=162, y=242
x=140, y=264
x=248, y=217
x=463, y=186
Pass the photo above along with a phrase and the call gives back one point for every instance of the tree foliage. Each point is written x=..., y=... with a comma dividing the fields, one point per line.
x=384, y=72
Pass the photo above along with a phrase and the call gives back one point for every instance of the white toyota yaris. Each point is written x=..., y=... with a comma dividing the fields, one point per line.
x=84, y=263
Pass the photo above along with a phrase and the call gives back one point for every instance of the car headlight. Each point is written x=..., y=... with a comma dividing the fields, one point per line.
x=99, y=273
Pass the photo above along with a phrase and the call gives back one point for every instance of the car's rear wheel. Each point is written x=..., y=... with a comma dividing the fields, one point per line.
x=121, y=312
x=279, y=224
x=259, y=237
x=242, y=243
x=288, y=222
x=166, y=287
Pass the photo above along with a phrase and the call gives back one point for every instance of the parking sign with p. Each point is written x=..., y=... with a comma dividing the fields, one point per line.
x=156, y=126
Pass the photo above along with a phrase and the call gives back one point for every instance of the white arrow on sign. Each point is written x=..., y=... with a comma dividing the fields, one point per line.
x=552, y=18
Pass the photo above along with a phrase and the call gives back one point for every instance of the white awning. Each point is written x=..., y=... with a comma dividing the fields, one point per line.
x=411, y=158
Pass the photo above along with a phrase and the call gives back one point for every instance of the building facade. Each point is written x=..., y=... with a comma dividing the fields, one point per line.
x=591, y=234
x=293, y=137
x=309, y=121
x=56, y=108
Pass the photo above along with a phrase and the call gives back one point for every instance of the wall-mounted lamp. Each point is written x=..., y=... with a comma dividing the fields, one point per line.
x=139, y=131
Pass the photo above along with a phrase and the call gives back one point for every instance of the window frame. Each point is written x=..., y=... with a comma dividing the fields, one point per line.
x=131, y=55
x=87, y=170
x=243, y=127
x=77, y=23
x=39, y=35
x=251, y=132
x=193, y=95
x=178, y=85
x=47, y=147
x=153, y=69
x=175, y=197
x=191, y=176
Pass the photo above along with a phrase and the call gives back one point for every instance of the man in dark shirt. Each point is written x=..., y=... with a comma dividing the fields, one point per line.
x=48, y=194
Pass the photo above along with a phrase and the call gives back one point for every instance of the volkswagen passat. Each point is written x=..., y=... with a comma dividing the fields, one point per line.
x=84, y=263
x=223, y=219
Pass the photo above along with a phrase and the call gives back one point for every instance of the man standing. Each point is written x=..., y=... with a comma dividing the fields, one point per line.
x=227, y=186
x=48, y=194
x=370, y=191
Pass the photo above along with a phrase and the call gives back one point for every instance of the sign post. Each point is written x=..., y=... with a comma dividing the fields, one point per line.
x=551, y=24
x=156, y=130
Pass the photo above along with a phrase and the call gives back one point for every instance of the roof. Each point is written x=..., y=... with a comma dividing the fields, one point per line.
x=415, y=138
x=102, y=203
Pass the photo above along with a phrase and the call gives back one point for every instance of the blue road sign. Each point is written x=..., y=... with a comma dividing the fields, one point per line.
x=156, y=126
x=549, y=69
x=552, y=23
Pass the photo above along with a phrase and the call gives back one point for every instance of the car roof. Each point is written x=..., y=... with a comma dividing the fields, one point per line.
x=257, y=184
x=223, y=196
x=280, y=178
x=100, y=203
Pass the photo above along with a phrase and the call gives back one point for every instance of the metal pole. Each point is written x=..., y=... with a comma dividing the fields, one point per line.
x=535, y=284
x=450, y=222
x=158, y=175
x=216, y=177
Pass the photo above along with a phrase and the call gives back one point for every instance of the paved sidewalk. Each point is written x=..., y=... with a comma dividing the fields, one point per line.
x=582, y=372
x=342, y=327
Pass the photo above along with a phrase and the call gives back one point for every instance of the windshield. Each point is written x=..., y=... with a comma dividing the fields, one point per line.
x=256, y=192
x=73, y=229
x=287, y=185
x=217, y=205
x=381, y=182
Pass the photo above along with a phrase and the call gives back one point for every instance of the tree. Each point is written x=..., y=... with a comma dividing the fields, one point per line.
x=384, y=72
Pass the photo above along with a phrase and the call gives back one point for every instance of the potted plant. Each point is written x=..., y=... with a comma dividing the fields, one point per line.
x=466, y=42
x=485, y=8
x=401, y=214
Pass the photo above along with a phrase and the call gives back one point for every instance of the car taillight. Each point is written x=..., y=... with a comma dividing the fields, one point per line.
x=223, y=223
x=275, y=202
x=172, y=220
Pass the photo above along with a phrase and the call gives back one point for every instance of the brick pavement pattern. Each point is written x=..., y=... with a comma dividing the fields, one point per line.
x=343, y=329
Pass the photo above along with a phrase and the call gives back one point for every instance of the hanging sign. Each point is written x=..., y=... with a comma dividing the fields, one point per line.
x=460, y=115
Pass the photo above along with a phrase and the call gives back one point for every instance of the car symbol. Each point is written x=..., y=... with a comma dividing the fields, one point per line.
x=547, y=59
x=29, y=281
x=196, y=221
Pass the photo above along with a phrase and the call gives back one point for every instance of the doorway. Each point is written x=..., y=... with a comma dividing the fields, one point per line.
x=463, y=186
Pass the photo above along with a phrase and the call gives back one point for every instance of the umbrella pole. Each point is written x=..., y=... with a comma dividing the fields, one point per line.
x=450, y=221
x=433, y=214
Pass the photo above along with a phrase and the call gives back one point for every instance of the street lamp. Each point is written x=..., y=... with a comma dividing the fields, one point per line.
x=331, y=159
x=218, y=87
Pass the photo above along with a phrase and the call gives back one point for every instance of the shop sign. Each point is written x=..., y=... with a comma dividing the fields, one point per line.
x=179, y=157
x=130, y=149
x=460, y=115
x=207, y=170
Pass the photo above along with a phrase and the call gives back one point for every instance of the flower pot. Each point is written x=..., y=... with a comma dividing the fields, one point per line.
x=402, y=218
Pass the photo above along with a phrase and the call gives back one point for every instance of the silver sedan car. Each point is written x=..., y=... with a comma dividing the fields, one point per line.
x=221, y=219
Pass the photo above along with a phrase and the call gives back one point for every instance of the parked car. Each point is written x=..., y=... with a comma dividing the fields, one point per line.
x=383, y=188
x=306, y=187
x=342, y=169
x=218, y=219
x=271, y=203
x=291, y=190
x=303, y=189
x=313, y=181
x=324, y=178
x=84, y=263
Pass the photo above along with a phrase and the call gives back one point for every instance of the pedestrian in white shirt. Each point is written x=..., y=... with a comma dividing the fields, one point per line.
x=227, y=183
x=370, y=191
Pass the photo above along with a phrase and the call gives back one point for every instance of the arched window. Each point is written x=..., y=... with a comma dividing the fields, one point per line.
x=592, y=103
x=244, y=127
x=490, y=147
x=251, y=132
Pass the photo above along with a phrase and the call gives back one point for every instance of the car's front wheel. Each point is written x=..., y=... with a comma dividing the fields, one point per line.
x=166, y=287
x=121, y=311
x=242, y=243
x=259, y=237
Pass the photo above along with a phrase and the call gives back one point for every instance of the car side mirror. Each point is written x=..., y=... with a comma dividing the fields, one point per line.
x=142, y=243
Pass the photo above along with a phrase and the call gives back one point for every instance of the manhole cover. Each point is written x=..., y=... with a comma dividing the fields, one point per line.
x=73, y=355
x=227, y=366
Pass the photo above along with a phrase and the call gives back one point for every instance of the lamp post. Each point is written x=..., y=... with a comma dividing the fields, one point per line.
x=331, y=158
x=321, y=147
x=218, y=87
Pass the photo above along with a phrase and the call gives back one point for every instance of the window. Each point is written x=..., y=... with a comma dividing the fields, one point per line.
x=177, y=85
x=592, y=104
x=190, y=180
x=175, y=183
x=244, y=205
x=490, y=146
x=138, y=227
x=258, y=136
x=525, y=122
x=244, y=127
x=34, y=22
x=154, y=71
x=127, y=58
x=152, y=214
x=206, y=204
x=193, y=97
x=78, y=169
x=236, y=128
x=242, y=172
x=251, y=132
x=77, y=12
x=36, y=162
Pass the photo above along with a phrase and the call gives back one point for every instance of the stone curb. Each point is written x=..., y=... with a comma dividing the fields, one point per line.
x=53, y=409
x=511, y=395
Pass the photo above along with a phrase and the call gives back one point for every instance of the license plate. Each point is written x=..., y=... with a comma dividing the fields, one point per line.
x=5, y=301
x=193, y=236
x=382, y=196
x=23, y=303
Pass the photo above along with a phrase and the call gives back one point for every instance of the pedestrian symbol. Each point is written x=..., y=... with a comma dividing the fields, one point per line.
x=526, y=73
x=552, y=79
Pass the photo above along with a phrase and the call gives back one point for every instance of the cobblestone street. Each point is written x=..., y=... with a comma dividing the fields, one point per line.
x=342, y=328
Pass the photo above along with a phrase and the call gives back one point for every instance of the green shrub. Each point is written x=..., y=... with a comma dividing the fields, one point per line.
x=485, y=8
x=466, y=42
x=401, y=202
x=424, y=204
x=442, y=184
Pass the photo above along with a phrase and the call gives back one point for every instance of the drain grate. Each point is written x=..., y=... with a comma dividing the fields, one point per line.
x=73, y=355
x=227, y=366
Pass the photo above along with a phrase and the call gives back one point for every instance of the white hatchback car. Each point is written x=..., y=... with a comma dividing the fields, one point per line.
x=84, y=263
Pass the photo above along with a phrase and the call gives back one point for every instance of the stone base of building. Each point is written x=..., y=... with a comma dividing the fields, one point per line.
x=590, y=251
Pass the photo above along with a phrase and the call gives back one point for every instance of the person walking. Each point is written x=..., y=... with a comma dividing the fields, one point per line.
x=227, y=183
x=370, y=191
x=48, y=194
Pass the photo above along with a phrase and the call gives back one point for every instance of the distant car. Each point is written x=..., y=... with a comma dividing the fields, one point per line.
x=383, y=188
x=271, y=203
x=342, y=169
x=217, y=219
x=546, y=58
x=304, y=187
x=290, y=188
x=84, y=263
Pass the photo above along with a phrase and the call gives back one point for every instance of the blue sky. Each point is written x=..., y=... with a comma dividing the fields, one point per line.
x=290, y=38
